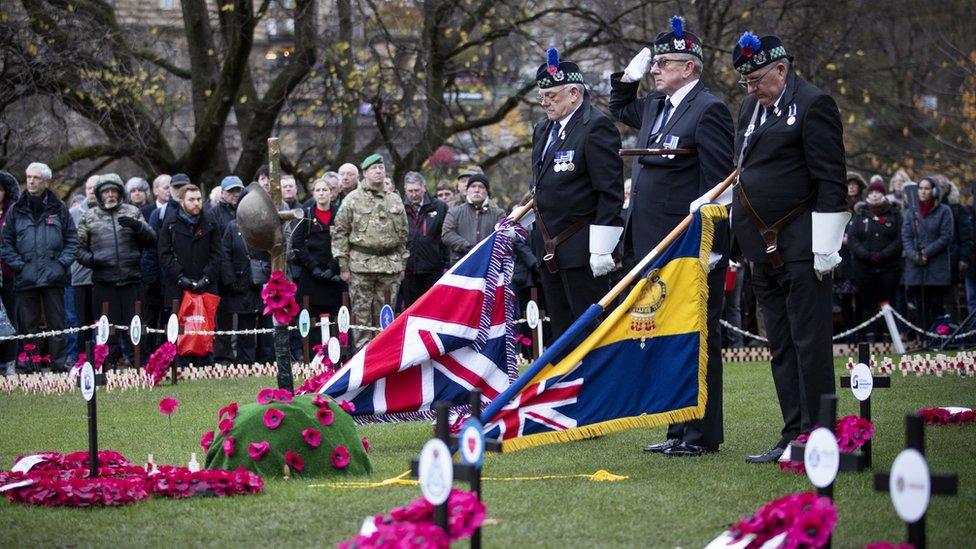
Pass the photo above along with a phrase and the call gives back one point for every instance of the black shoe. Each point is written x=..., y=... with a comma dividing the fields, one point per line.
x=689, y=450
x=661, y=446
x=769, y=457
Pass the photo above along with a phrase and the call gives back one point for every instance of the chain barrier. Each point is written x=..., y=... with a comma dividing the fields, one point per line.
x=149, y=330
x=906, y=322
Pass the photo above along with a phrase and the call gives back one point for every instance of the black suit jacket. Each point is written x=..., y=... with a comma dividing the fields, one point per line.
x=664, y=187
x=594, y=190
x=785, y=163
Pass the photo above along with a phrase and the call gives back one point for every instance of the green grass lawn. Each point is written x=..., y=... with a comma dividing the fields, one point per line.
x=665, y=502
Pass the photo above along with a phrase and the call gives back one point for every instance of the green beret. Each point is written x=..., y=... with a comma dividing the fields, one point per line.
x=370, y=160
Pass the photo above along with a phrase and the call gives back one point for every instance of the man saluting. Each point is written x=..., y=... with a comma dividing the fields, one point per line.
x=789, y=214
x=579, y=193
x=681, y=113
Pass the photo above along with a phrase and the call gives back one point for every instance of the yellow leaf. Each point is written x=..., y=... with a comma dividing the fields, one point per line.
x=207, y=92
x=744, y=15
x=227, y=7
x=851, y=118
x=831, y=67
x=243, y=99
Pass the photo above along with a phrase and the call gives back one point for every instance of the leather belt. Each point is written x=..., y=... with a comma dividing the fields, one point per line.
x=550, y=244
x=770, y=234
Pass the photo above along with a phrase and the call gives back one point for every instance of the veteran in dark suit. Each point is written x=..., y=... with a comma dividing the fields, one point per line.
x=681, y=113
x=579, y=193
x=789, y=215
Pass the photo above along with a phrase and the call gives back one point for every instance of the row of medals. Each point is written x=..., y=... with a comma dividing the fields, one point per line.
x=563, y=167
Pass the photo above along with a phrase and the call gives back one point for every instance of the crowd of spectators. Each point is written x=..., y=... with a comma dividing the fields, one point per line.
x=121, y=243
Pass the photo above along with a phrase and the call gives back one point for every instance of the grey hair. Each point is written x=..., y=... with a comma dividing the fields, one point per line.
x=414, y=178
x=136, y=183
x=697, y=66
x=40, y=167
x=579, y=87
x=332, y=175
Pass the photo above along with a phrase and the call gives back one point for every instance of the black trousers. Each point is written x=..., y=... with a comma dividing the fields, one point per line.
x=253, y=348
x=568, y=293
x=797, y=313
x=82, y=295
x=121, y=301
x=223, y=346
x=415, y=285
x=708, y=431
x=46, y=303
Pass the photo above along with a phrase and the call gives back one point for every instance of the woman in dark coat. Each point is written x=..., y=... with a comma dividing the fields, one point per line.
x=874, y=240
x=312, y=245
x=243, y=272
x=9, y=192
x=926, y=236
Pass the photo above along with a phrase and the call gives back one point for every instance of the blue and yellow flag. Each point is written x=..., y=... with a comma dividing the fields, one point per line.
x=643, y=366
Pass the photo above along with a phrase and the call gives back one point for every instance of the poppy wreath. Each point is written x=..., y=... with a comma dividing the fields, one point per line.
x=947, y=416
x=283, y=435
x=159, y=362
x=851, y=433
x=65, y=481
x=414, y=524
x=806, y=518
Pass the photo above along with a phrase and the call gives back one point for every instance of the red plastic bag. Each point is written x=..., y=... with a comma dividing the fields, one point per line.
x=197, y=313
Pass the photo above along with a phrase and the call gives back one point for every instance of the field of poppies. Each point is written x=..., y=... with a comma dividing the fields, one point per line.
x=542, y=497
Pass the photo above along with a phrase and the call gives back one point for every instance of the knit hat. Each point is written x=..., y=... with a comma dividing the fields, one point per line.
x=877, y=186
x=480, y=178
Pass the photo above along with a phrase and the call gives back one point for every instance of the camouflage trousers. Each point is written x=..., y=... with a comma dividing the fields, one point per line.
x=368, y=293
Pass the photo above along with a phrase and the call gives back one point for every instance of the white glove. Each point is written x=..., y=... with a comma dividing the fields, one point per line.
x=713, y=259
x=601, y=264
x=824, y=263
x=637, y=67
x=724, y=199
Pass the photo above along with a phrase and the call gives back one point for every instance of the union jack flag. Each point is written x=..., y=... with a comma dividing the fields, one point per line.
x=537, y=403
x=457, y=337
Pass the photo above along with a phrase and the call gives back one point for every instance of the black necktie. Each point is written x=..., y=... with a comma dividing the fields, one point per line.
x=664, y=120
x=769, y=113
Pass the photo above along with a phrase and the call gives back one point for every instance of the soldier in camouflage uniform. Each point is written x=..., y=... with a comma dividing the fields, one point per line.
x=369, y=240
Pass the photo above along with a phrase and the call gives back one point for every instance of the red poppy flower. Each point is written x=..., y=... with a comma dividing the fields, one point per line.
x=29, y=347
x=273, y=418
x=168, y=405
x=283, y=396
x=365, y=444
x=320, y=401
x=206, y=440
x=347, y=406
x=343, y=338
x=230, y=410
x=257, y=450
x=22, y=357
x=340, y=457
x=265, y=396
x=225, y=425
x=312, y=437
x=325, y=415
x=294, y=461
x=229, y=446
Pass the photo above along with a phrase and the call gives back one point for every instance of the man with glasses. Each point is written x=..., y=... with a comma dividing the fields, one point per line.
x=790, y=211
x=579, y=192
x=680, y=113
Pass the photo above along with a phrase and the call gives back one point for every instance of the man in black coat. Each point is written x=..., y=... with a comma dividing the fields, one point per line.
x=579, y=192
x=189, y=248
x=680, y=114
x=428, y=254
x=223, y=213
x=789, y=214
